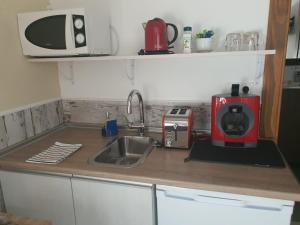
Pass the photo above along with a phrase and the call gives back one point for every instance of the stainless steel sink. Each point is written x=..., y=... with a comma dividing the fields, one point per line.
x=125, y=151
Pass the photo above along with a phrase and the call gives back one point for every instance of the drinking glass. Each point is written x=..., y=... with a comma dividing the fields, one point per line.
x=251, y=41
x=233, y=42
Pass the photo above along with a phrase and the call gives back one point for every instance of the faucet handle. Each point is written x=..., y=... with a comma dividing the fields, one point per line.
x=136, y=125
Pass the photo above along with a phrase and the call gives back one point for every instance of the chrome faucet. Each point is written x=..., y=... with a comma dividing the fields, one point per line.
x=141, y=125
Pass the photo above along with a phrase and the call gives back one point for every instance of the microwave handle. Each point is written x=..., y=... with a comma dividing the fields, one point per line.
x=69, y=29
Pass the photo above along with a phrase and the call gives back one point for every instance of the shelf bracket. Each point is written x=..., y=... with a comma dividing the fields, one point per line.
x=130, y=70
x=69, y=76
x=260, y=64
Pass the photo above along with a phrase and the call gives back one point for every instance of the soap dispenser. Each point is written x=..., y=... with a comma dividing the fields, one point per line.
x=110, y=128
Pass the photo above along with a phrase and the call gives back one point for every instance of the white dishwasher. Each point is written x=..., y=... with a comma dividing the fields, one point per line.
x=181, y=206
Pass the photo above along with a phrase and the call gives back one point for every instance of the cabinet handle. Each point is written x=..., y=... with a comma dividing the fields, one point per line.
x=205, y=199
x=220, y=201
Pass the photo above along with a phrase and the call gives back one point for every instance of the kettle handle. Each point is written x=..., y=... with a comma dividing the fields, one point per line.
x=175, y=33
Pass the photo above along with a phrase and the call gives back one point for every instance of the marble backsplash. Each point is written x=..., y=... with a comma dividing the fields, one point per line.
x=94, y=112
x=21, y=125
x=18, y=126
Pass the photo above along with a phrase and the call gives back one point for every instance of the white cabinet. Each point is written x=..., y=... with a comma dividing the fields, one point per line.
x=112, y=203
x=96, y=202
x=180, y=206
x=38, y=196
x=108, y=202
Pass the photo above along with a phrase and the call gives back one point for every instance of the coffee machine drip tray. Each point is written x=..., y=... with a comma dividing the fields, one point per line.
x=266, y=154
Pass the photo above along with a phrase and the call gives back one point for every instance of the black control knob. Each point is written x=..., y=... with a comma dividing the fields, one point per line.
x=246, y=90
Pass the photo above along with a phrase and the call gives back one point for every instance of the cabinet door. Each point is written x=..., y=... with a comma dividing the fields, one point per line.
x=38, y=196
x=109, y=203
x=181, y=206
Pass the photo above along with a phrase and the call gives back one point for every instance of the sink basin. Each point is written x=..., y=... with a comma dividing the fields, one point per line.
x=125, y=151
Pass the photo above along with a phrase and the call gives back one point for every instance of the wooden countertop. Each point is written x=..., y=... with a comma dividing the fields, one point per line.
x=162, y=166
x=14, y=220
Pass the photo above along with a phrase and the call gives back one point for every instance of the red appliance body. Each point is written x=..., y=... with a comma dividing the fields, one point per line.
x=235, y=120
x=156, y=36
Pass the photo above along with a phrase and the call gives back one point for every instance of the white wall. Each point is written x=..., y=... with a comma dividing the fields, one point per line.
x=22, y=83
x=171, y=79
x=193, y=80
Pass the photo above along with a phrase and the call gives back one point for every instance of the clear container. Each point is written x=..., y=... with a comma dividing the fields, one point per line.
x=187, y=40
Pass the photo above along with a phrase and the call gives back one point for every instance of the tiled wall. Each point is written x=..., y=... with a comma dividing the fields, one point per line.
x=93, y=111
x=19, y=126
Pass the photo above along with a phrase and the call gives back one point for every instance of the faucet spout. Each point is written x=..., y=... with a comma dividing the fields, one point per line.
x=141, y=125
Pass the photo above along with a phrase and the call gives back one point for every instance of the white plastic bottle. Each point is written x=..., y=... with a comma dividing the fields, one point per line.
x=187, y=40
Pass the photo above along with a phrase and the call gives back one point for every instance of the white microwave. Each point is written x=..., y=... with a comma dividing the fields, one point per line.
x=67, y=32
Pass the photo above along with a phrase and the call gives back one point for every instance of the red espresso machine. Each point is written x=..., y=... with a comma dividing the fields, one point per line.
x=235, y=119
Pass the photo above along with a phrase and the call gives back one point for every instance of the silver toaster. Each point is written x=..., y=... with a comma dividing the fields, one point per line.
x=177, y=128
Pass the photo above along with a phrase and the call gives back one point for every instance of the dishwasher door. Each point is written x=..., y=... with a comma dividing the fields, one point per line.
x=181, y=206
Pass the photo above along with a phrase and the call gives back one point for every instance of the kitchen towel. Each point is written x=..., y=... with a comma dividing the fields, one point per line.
x=55, y=153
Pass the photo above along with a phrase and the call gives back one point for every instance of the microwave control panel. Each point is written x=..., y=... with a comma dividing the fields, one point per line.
x=79, y=31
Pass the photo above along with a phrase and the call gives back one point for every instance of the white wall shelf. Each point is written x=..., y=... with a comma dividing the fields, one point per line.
x=145, y=57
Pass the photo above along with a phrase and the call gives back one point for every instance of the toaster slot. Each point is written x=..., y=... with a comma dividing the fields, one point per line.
x=182, y=111
x=174, y=111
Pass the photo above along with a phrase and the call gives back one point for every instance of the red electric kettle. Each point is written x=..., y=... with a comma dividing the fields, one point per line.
x=156, y=37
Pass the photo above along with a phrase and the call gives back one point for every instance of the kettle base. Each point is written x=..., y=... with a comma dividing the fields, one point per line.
x=144, y=52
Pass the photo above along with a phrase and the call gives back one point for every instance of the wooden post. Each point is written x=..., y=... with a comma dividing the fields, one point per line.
x=277, y=39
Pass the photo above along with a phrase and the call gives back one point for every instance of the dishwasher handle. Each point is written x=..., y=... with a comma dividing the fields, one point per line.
x=219, y=200
x=206, y=199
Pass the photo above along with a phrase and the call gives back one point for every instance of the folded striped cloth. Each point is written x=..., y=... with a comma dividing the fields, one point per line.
x=55, y=153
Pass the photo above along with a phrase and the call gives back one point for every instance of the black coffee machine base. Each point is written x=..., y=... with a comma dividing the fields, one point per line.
x=266, y=154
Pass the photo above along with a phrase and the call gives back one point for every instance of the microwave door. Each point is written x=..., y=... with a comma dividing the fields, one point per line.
x=48, y=32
